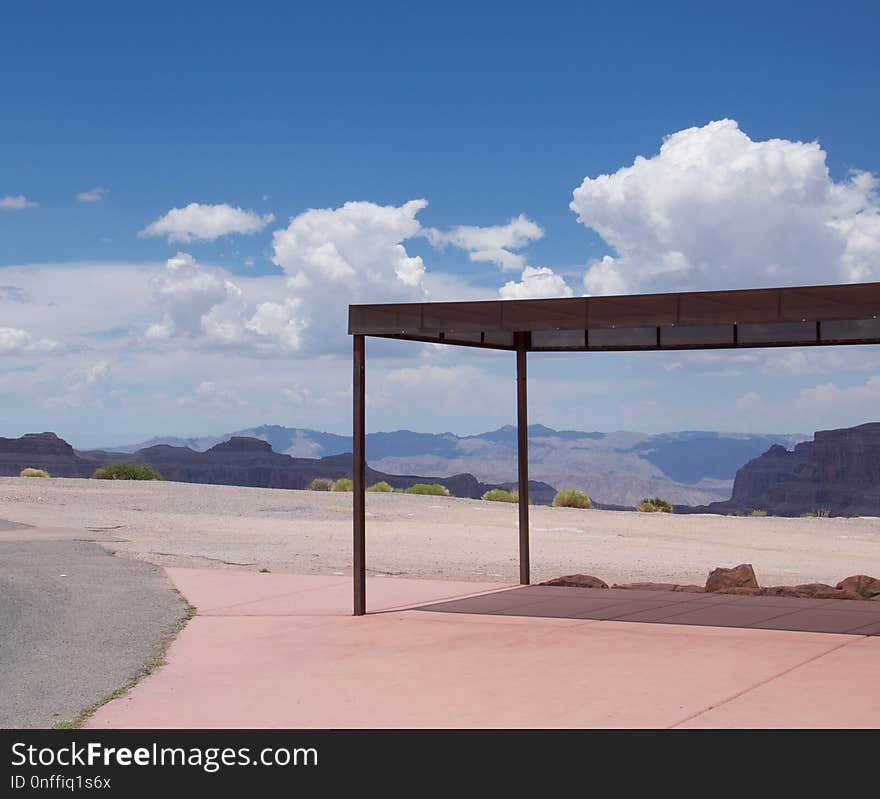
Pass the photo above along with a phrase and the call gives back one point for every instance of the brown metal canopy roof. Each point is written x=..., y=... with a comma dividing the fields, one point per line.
x=780, y=317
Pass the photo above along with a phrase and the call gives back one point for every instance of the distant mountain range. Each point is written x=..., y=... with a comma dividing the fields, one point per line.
x=835, y=473
x=240, y=461
x=620, y=468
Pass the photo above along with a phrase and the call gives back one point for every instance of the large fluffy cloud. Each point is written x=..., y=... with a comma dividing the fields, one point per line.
x=493, y=243
x=206, y=307
x=715, y=209
x=206, y=222
x=351, y=254
x=357, y=247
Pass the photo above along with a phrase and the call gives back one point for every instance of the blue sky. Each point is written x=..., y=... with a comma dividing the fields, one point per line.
x=490, y=113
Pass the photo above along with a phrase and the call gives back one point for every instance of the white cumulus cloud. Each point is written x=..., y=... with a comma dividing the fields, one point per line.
x=17, y=202
x=206, y=307
x=830, y=398
x=715, y=209
x=537, y=282
x=15, y=341
x=493, y=243
x=359, y=244
x=81, y=388
x=206, y=222
x=351, y=254
x=93, y=195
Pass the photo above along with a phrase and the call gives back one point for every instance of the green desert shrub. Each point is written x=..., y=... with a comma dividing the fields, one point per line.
x=654, y=505
x=320, y=484
x=572, y=498
x=810, y=514
x=126, y=471
x=430, y=489
x=380, y=488
x=33, y=473
x=342, y=484
x=500, y=495
x=758, y=513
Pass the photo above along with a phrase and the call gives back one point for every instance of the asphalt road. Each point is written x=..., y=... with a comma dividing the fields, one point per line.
x=75, y=623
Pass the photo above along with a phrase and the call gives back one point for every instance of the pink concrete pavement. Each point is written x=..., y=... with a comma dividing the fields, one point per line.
x=278, y=650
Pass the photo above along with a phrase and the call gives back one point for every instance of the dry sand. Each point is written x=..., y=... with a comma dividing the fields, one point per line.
x=419, y=536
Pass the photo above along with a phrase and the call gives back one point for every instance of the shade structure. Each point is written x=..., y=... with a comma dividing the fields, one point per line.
x=797, y=316
x=778, y=317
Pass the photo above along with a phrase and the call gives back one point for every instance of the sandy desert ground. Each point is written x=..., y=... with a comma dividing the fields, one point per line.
x=418, y=536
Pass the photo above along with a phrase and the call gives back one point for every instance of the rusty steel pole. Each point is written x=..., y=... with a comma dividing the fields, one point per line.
x=521, y=341
x=359, y=562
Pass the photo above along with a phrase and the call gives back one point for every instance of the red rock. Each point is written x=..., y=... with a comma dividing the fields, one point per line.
x=821, y=591
x=806, y=591
x=779, y=590
x=742, y=576
x=861, y=586
x=578, y=581
x=740, y=590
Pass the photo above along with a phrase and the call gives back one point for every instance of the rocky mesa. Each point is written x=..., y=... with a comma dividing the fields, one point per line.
x=838, y=473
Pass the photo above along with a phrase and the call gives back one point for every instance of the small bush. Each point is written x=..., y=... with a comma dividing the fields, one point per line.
x=320, y=484
x=654, y=505
x=380, y=488
x=824, y=513
x=500, y=495
x=126, y=471
x=810, y=514
x=342, y=484
x=430, y=489
x=572, y=498
x=33, y=473
x=758, y=513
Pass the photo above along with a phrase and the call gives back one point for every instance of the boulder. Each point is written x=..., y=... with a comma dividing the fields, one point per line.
x=578, y=581
x=860, y=586
x=807, y=591
x=741, y=590
x=723, y=580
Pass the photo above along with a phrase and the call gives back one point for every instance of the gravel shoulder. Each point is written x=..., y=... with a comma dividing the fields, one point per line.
x=420, y=536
